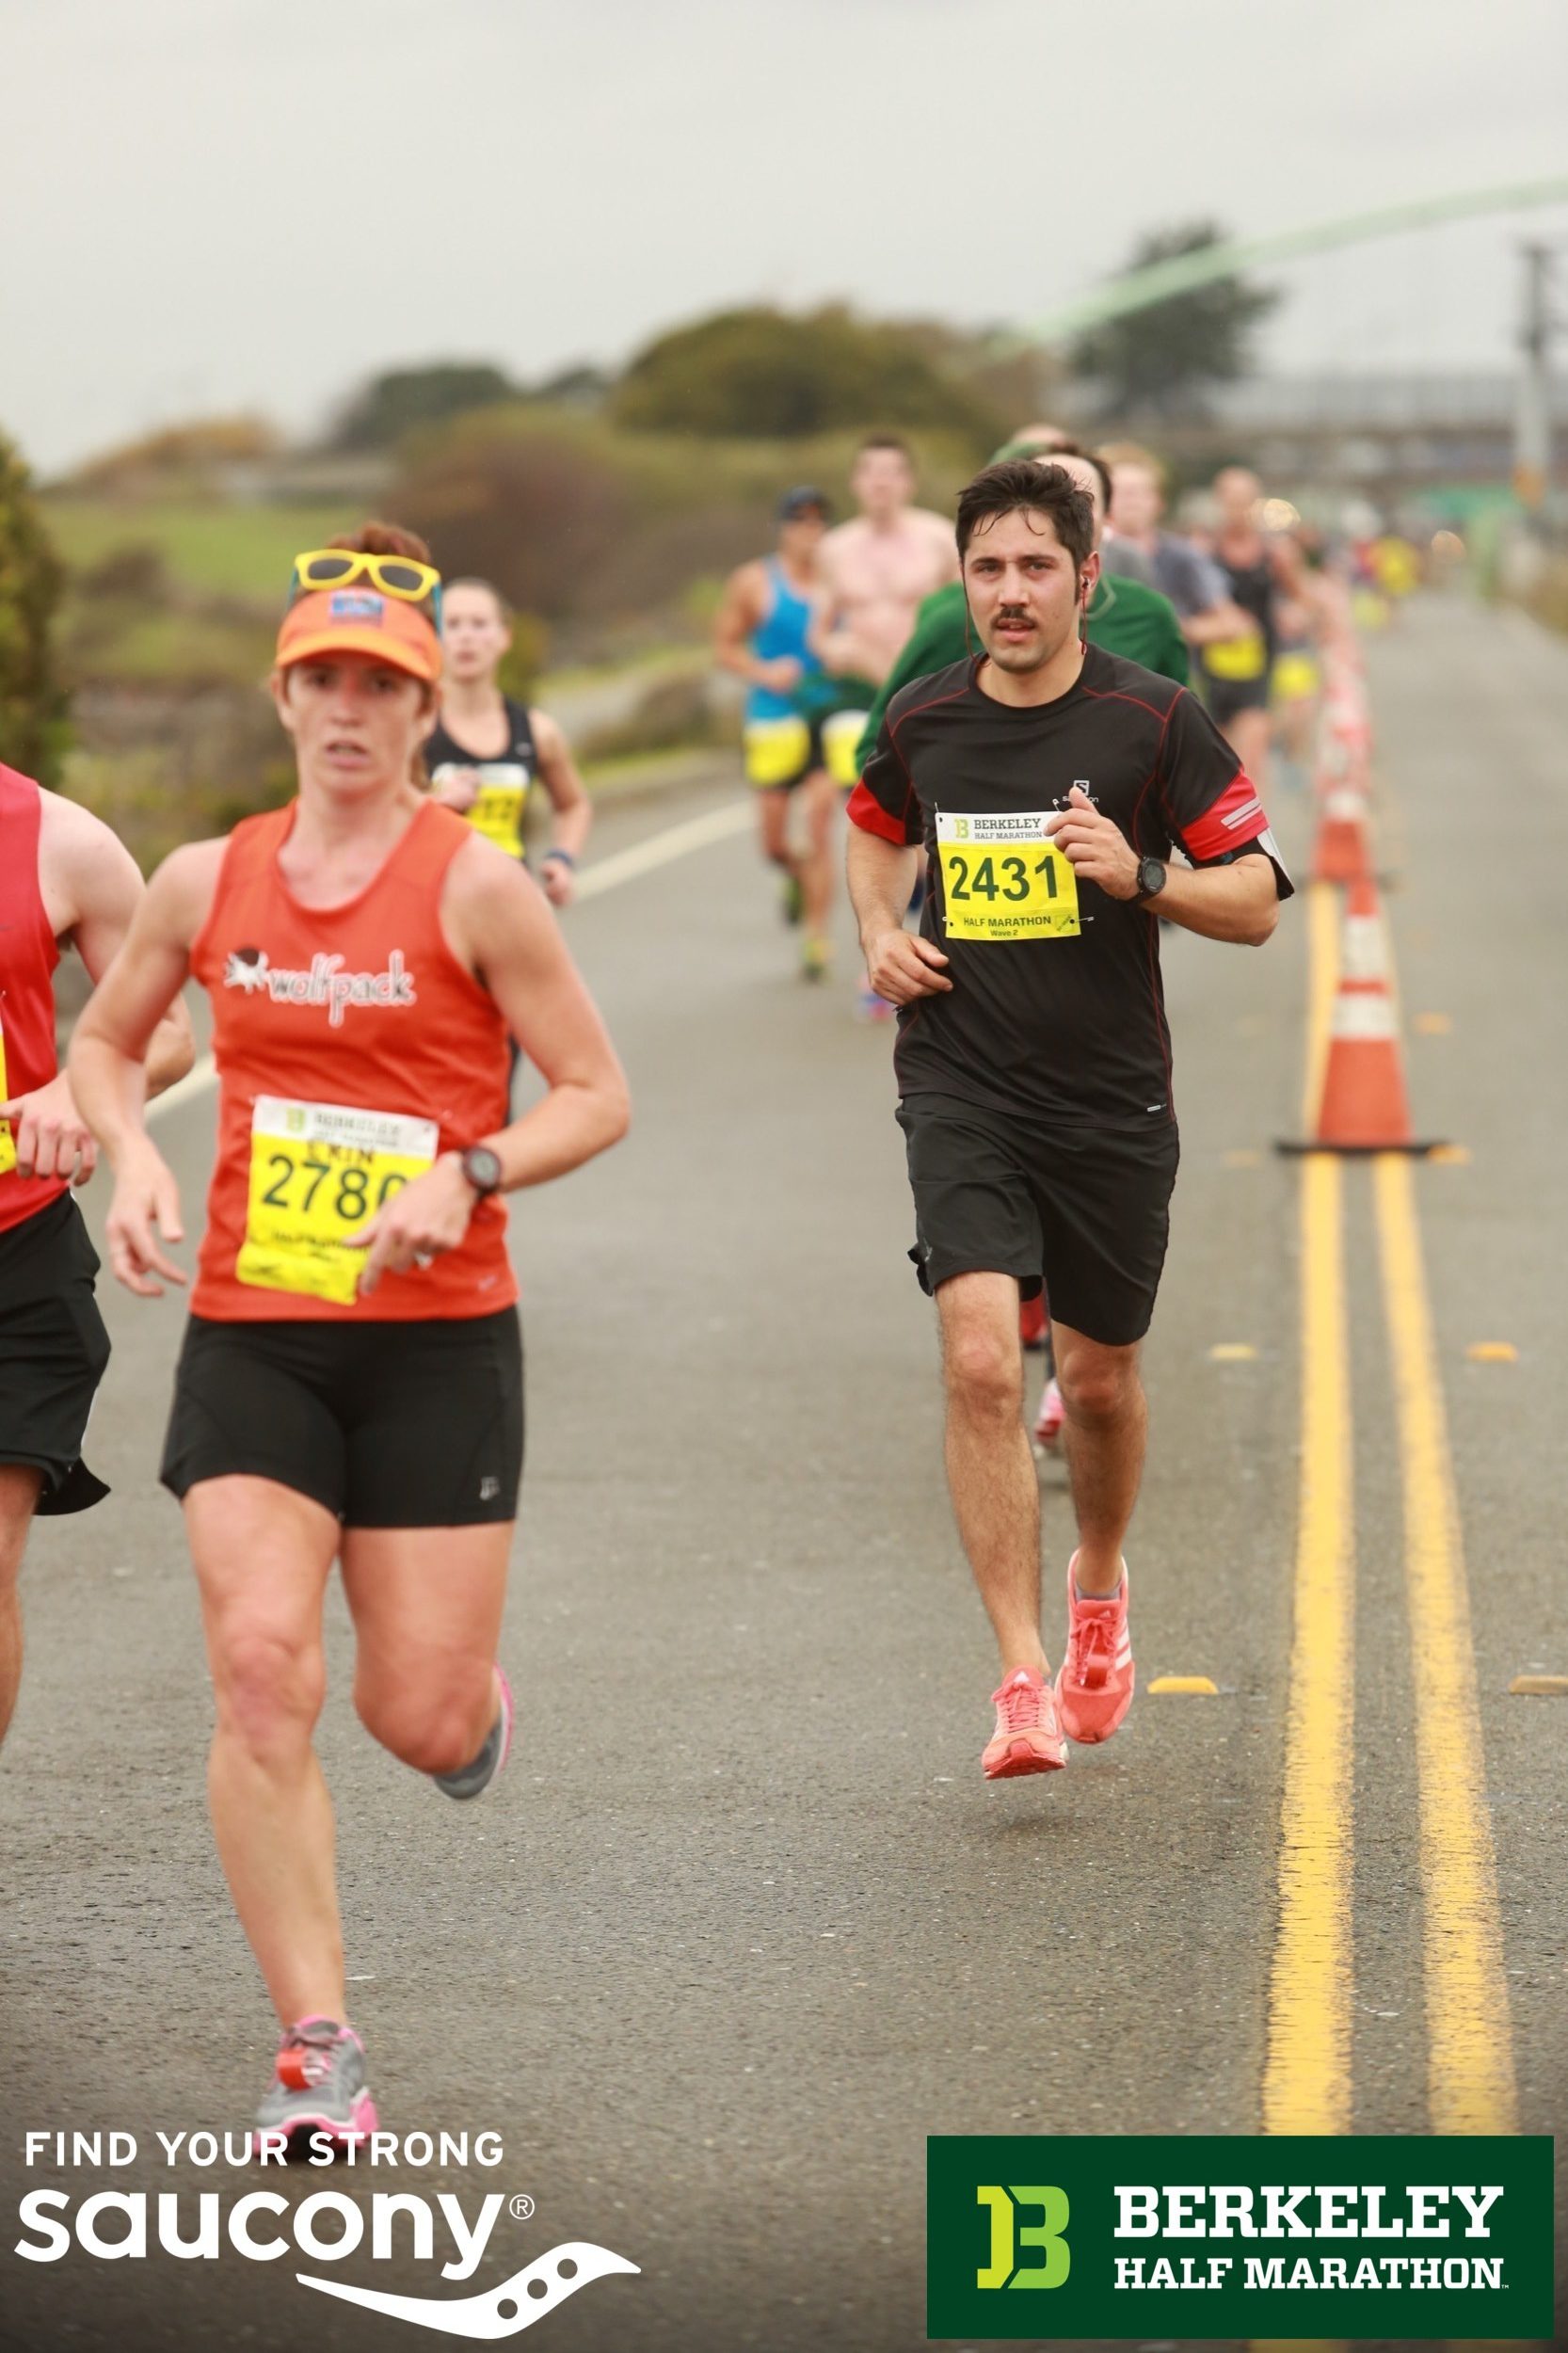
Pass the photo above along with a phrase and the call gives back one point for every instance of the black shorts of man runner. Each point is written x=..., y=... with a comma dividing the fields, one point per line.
x=1049, y=785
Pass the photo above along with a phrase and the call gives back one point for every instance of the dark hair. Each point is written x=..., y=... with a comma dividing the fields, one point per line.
x=885, y=441
x=473, y=580
x=383, y=540
x=1018, y=486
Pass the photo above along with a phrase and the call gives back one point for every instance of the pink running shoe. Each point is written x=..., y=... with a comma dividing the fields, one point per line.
x=1028, y=1739
x=1047, y=1423
x=318, y=2085
x=1095, y=1682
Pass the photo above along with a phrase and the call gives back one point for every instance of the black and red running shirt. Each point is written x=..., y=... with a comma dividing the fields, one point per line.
x=1069, y=1029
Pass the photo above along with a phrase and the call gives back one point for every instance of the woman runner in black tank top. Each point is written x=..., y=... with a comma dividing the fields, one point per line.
x=485, y=750
x=500, y=785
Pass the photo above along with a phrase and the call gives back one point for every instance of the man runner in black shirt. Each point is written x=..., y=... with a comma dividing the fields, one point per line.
x=1047, y=781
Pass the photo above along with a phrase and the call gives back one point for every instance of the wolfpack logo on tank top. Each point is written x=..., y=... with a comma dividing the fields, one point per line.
x=353, y=1049
x=324, y=984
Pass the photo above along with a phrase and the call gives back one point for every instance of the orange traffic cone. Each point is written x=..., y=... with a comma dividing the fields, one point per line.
x=1339, y=853
x=1363, y=1107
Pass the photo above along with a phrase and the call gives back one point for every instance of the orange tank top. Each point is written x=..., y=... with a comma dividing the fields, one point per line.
x=351, y=1048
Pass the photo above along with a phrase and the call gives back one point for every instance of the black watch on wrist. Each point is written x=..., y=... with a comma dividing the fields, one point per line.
x=1151, y=880
x=482, y=1167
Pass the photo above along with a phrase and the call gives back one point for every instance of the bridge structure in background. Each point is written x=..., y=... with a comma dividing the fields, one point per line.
x=1396, y=436
x=1140, y=289
x=1393, y=435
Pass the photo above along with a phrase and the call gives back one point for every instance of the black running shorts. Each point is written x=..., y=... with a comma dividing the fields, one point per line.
x=387, y=1425
x=1085, y=1209
x=1226, y=698
x=53, y=1351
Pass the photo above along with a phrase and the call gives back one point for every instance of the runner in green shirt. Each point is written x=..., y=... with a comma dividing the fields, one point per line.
x=1124, y=616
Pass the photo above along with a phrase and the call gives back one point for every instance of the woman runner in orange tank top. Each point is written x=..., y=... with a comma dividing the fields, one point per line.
x=350, y=1383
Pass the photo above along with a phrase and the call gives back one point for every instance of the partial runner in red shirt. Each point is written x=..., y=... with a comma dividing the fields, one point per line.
x=65, y=881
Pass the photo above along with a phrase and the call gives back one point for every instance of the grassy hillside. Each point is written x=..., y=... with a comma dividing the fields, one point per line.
x=613, y=546
x=212, y=550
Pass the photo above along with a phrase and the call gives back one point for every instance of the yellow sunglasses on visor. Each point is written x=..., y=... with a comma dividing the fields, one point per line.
x=395, y=575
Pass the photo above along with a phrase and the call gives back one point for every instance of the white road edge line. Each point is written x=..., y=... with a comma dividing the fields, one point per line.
x=644, y=857
x=662, y=849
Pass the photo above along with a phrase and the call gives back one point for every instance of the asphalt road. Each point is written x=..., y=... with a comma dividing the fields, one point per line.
x=743, y=1924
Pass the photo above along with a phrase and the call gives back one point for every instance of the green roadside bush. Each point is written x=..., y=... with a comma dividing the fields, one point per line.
x=32, y=696
x=613, y=539
x=768, y=373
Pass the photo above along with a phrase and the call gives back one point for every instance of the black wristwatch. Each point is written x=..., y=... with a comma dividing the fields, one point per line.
x=1151, y=880
x=482, y=1167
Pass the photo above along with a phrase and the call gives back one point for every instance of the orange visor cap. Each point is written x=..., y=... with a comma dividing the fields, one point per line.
x=361, y=621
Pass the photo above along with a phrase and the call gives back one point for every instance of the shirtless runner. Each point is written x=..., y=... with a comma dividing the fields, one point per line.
x=875, y=570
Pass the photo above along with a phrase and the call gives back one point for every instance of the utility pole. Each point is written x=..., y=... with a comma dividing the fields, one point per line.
x=1533, y=437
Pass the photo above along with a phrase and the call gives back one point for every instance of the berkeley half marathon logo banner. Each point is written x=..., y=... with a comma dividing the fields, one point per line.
x=1238, y=2238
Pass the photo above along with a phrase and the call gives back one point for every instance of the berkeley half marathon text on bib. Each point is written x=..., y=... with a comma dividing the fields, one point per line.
x=1003, y=879
x=317, y=1172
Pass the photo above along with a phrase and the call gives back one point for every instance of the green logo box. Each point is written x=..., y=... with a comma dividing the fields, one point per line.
x=1095, y=2236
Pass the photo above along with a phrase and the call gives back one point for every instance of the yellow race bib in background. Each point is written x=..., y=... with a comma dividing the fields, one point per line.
x=496, y=809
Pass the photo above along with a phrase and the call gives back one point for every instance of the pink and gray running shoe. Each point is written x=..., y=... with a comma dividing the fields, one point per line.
x=318, y=2085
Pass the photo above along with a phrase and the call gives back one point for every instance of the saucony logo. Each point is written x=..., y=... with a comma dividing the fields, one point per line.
x=505, y=2312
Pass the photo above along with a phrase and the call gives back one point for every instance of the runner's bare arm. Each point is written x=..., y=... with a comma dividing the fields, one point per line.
x=900, y=966
x=90, y=878
x=91, y=888
x=112, y=1037
x=829, y=634
x=573, y=813
x=1218, y=625
x=1237, y=903
x=740, y=613
x=497, y=924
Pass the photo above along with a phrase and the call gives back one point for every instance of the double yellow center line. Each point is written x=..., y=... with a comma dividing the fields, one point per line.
x=1308, y=2067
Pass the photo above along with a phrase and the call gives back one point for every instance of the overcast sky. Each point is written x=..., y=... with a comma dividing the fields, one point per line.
x=217, y=204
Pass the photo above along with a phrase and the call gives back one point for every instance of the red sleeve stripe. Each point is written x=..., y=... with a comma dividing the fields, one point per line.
x=1236, y=817
x=865, y=810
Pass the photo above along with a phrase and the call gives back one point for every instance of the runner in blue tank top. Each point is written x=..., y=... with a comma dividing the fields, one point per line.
x=780, y=636
x=760, y=635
